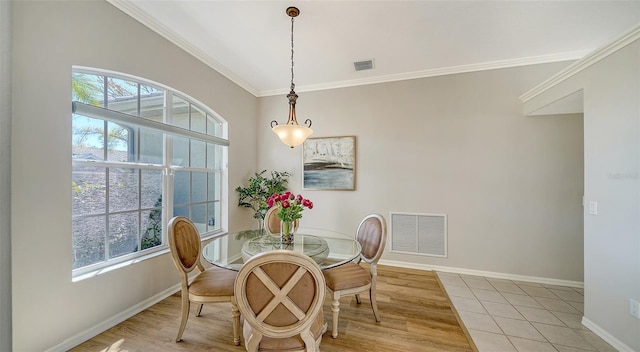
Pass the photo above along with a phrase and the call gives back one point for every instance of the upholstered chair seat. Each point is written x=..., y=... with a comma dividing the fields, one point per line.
x=213, y=282
x=347, y=276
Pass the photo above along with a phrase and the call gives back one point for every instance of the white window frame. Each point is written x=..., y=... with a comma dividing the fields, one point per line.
x=167, y=168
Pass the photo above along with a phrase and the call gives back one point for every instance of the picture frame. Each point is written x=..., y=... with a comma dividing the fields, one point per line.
x=329, y=163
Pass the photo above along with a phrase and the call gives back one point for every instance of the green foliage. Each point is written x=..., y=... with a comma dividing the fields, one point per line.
x=259, y=189
x=84, y=89
x=152, y=236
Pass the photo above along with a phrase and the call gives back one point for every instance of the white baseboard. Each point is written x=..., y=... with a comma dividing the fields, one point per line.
x=603, y=334
x=113, y=321
x=536, y=279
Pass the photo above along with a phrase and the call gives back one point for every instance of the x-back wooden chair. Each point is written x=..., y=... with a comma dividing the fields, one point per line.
x=280, y=294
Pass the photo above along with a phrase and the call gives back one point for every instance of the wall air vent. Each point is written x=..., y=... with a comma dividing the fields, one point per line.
x=422, y=234
x=363, y=65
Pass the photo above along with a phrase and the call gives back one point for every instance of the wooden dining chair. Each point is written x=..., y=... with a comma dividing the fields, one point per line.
x=280, y=294
x=211, y=285
x=352, y=278
x=272, y=221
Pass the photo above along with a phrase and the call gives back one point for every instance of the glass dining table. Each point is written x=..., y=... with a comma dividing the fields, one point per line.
x=327, y=248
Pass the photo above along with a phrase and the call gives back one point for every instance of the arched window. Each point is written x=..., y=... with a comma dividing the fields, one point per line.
x=141, y=154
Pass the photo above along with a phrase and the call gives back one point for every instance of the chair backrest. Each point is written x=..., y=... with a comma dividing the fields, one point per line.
x=372, y=236
x=272, y=221
x=184, y=243
x=280, y=293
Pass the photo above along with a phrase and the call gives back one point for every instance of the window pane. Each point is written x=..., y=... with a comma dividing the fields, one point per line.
x=123, y=189
x=214, y=126
x=88, y=240
x=151, y=228
x=181, y=187
x=181, y=211
x=180, y=112
x=88, y=189
x=119, y=143
x=151, y=188
x=123, y=234
x=213, y=213
x=198, y=120
x=198, y=187
x=151, y=103
x=199, y=217
x=180, y=151
x=151, y=146
x=87, y=138
x=122, y=95
x=87, y=88
x=198, y=153
x=214, y=156
x=214, y=183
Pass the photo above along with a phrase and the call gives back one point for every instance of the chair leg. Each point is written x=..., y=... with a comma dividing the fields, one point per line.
x=235, y=315
x=186, y=305
x=199, y=310
x=309, y=341
x=335, y=309
x=374, y=304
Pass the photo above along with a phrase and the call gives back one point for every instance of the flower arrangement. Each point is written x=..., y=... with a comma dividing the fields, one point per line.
x=290, y=206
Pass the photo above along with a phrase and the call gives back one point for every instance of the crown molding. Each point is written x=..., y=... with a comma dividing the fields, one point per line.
x=589, y=60
x=132, y=10
x=492, y=65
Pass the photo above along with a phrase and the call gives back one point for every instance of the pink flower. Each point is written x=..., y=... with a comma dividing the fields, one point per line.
x=290, y=206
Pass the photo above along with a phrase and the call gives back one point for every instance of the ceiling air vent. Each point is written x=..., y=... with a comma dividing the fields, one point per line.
x=363, y=65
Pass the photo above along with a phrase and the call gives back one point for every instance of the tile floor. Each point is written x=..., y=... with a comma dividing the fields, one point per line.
x=515, y=316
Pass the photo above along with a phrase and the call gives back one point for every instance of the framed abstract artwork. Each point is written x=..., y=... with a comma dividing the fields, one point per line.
x=329, y=163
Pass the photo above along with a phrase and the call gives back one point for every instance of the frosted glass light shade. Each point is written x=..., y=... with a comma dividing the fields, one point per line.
x=292, y=135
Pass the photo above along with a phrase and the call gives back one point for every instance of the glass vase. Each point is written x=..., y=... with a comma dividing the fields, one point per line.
x=287, y=230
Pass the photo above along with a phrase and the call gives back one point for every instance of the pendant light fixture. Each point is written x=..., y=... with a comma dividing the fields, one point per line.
x=291, y=133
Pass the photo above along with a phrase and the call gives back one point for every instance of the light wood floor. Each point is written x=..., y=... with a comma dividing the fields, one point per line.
x=416, y=316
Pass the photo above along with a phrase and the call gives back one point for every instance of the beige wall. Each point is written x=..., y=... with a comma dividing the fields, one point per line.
x=49, y=37
x=458, y=145
x=612, y=179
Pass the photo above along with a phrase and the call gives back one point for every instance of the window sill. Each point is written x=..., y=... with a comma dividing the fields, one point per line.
x=116, y=266
x=104, y=270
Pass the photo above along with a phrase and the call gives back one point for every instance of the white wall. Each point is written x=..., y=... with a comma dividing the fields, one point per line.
x=612, y=179
x=458, y=145
x=49, y=37
x=5, y=175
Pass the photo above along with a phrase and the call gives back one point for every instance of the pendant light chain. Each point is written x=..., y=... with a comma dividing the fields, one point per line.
x=292, y=84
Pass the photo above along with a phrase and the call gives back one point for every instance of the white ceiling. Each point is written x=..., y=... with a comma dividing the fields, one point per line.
x=249, y=41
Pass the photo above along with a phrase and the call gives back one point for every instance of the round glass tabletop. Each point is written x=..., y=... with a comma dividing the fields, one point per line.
x=327, y=248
